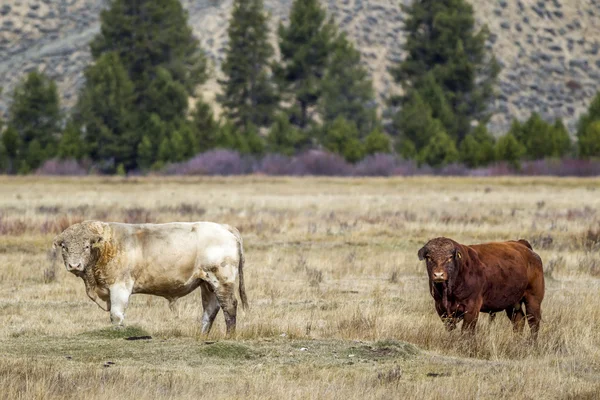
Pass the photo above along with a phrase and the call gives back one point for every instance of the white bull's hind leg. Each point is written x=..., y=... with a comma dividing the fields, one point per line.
x=119, y=298
x=210, y=305
x=223, y=283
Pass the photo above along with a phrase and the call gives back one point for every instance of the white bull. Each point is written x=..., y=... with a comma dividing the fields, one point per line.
x=116, y=260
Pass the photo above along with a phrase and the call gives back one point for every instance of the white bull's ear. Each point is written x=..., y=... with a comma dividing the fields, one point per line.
x=96, y=240
x=57, y=242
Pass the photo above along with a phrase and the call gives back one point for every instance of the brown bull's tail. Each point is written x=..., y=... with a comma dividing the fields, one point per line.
x=525, y=243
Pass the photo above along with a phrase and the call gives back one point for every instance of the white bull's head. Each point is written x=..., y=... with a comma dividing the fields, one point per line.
x=79, y=246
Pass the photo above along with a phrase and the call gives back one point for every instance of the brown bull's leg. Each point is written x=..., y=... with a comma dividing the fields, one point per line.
x=517, y=317
x=470, y=316
x=534, y=314
x=211, y=307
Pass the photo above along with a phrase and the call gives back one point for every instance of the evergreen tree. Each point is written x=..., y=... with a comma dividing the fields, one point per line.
x=562, y=144
x=589, y=140
x=416, y=126
x=541, y=139
x=159, y=66
x=246, y=142
x=341, y=137
x=204, y=126
x=377, y=142
x=443, y=47
x=440, y=150
x=284, y=138
x=145, y=153
x=71, y=145
x=509, y=149
x=35, y=116
x=12, y=144
x=477, y=148
x=305, y=45
x=584, y=132
x=347, y=90
x=105, y=111
x=249, y=94
x=147, y=34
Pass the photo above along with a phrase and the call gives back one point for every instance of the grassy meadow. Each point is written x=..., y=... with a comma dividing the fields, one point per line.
x=340, y=307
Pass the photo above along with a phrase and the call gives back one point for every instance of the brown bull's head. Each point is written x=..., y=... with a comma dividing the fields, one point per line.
x=78, y=245
x=444, y=258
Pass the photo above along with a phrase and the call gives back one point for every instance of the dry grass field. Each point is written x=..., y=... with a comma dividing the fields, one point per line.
x=340, y=307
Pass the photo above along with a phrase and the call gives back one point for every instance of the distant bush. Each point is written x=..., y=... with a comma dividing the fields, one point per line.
x=214, y=162
x=322, y=163
x=62, y=167
x=316, y=162
x=275, y=164
x=378, y=164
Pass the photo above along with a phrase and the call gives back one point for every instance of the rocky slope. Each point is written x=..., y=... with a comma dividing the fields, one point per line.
x=549, y=49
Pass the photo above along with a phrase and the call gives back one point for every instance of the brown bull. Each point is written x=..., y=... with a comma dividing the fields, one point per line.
x=466, y=280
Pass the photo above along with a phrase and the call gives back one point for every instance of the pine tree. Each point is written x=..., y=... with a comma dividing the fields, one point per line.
x=542, y=139
x=440, y=150
x=589, y=140
x=71, y=145
x=347, y=90
x=145, y=153
x=161, y=60
x=249, y=95
x=284, y=138
x=341, y=137
x=584, y=132
x=305, y=45
x=204, y=126
x=35, y=115
x=106, y=113
x=442, y=45
x=477, y=148
x=12, y=145
x=416, y=126
x=509, y=149
x=147, y=34
x=377, y=142
x=561, y=140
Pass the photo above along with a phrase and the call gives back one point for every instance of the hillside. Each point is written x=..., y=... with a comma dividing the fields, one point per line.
x=549, y=49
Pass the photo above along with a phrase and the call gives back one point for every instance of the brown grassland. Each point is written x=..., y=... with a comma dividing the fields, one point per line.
x=339, y=302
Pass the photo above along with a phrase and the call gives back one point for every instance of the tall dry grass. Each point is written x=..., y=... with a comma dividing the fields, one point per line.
x=331, y=268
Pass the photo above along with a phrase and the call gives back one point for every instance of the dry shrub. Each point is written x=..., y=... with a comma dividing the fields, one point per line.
x=138, y=215
x=556, y=263
x=542, y=242
x=390, y=376
x=591, y=238
x=315, y=276
x=17, y=226
x=590, y=264
x=358, y=325
x=50, y=270
x=184, y=209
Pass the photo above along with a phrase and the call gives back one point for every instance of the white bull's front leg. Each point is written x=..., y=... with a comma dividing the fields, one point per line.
x=119, y=298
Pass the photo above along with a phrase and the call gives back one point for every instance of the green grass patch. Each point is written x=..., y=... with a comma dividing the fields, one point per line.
x=228, y=350
x=112, y=333
x=384, y=349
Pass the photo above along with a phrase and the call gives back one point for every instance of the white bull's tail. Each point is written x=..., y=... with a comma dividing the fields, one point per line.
x=240, y=244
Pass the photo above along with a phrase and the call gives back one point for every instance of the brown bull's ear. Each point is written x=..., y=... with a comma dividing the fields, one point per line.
x=460, y=255
x=421, y=253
